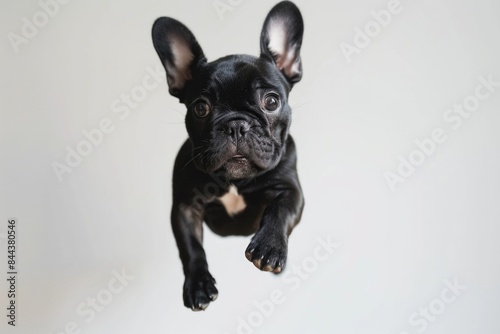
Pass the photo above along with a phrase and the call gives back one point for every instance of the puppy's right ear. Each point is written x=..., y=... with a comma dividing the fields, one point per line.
x=179, y=52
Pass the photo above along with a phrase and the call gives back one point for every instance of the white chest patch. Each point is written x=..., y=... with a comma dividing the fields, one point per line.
x=232, y=201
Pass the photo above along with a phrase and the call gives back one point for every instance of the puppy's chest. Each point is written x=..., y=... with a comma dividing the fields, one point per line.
x=233, y=201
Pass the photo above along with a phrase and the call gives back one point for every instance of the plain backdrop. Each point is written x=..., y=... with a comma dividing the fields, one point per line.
x=352, y=121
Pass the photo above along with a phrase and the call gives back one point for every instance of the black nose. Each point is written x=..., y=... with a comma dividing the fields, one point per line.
x=236, y=129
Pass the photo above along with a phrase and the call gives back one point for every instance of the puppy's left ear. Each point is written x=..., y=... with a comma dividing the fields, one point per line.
x=281, y=39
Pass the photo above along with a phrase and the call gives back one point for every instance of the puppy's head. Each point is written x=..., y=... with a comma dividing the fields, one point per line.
x=237, y=106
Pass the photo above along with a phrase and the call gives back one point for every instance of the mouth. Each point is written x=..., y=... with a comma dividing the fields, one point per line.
x=238, y=158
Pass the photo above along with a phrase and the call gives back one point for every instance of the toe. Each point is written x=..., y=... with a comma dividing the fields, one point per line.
x=257, y=262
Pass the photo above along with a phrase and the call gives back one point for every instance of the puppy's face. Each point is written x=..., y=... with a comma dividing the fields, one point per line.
x=238, y=116
x=237, y=106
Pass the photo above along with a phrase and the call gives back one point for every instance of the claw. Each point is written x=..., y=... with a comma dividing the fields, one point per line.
x=267, y=267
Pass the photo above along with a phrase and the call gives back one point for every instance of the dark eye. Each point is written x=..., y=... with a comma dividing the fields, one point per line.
x=271, y=102
x=201, y=109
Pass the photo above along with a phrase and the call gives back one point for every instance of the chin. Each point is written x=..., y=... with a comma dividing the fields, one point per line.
x=238, y=169
x=235, y=167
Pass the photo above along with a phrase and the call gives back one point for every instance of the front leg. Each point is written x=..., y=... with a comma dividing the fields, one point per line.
x=268, y=248
x=199, y=285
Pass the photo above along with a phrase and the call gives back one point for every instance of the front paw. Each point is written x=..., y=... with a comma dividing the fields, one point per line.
x=199, y=291
x=268, y=253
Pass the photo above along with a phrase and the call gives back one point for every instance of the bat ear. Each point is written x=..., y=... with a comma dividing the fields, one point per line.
x=179, y=52
x=281, y=39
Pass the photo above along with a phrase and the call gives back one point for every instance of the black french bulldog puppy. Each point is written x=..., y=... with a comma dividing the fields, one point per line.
x=237, y=171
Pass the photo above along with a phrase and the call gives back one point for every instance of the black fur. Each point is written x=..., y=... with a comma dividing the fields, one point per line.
x=235, y=139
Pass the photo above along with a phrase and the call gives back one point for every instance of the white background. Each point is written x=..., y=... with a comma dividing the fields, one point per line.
x=351, y=123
